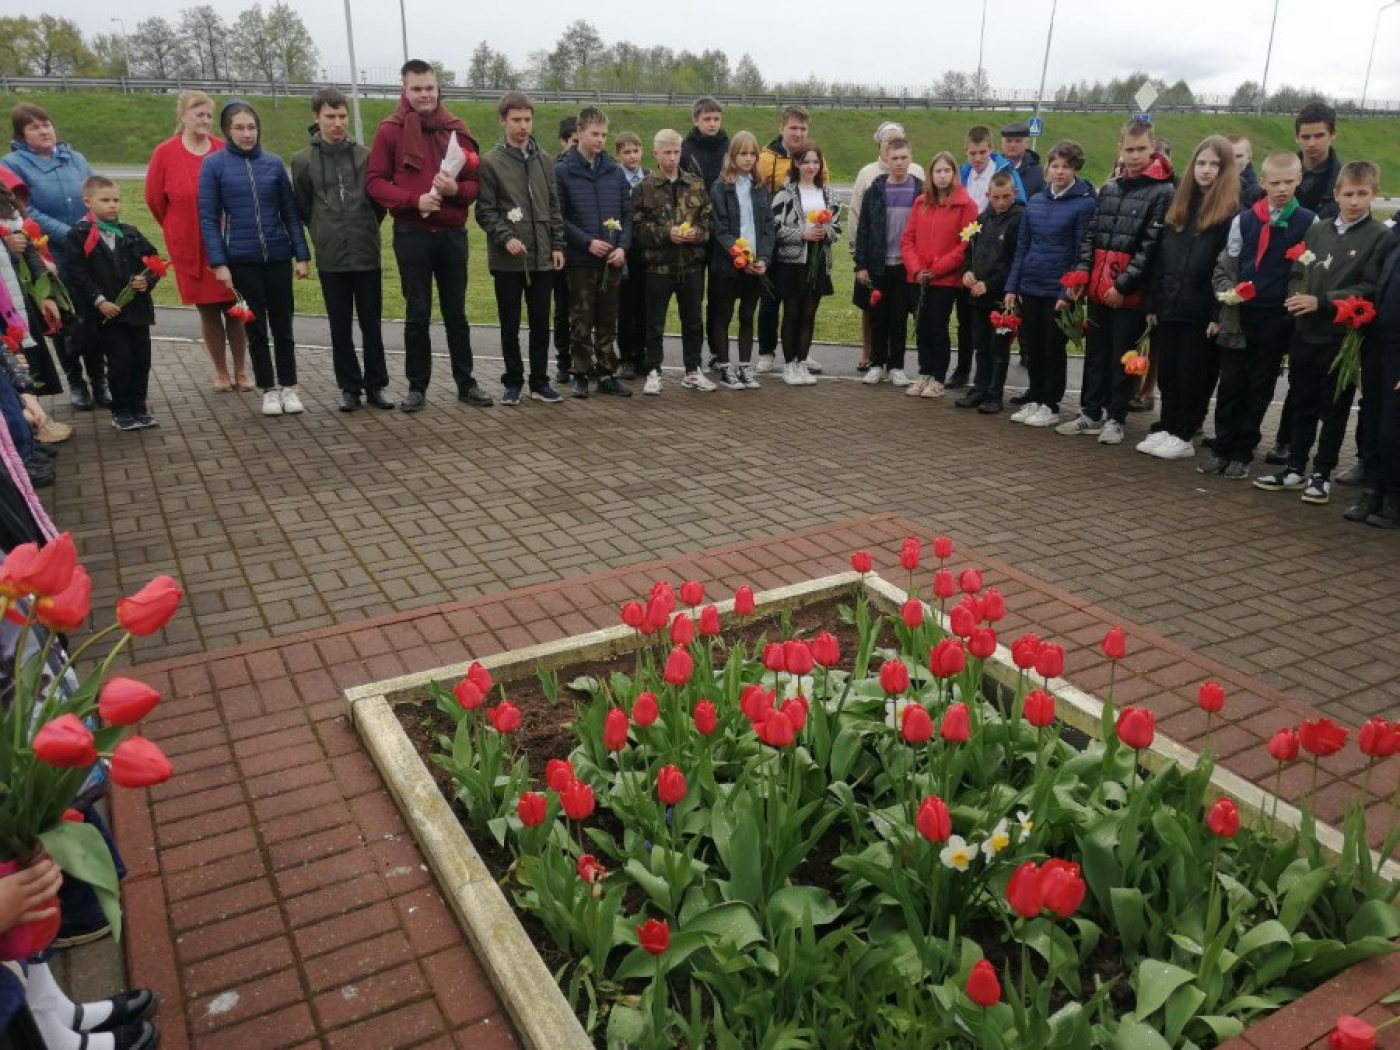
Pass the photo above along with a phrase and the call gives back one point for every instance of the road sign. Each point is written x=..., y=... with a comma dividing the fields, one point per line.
x=1037, y=127
x=1145, y=118
x=1146, y=95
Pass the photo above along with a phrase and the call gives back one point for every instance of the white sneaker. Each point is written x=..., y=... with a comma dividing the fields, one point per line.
x=697, y=381
x=812, y=365
x=1044, y=416
x=1174, y=448
x=1024, y=412
x=806, y=373
x=916, y=388
x=874, y=376
x=746, y=374
x=1080, y=424
x=898, y=378
x=1149, y=444
x=291, y=401
x=932, y=389
x=272, y=402
x=653, y=383
x=1112, y=433
x=765, y=363
x=791, y=376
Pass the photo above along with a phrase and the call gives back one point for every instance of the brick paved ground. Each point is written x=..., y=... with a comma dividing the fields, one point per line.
x=275, y=898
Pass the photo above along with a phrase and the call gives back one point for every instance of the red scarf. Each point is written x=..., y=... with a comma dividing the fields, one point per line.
x=412, y=145
x=1261, y=211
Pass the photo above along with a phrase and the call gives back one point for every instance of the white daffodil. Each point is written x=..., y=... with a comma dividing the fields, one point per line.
x=797, y=685
x=1327, y=263
x=958, y=855
x=1307, y=258
x=1027, y=824
x=997, y=839
x=515, y=215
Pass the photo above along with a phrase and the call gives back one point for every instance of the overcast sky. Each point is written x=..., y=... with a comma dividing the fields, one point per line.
x=1212, y=45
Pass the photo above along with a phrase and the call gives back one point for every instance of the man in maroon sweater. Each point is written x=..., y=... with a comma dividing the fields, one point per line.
x=429, y=208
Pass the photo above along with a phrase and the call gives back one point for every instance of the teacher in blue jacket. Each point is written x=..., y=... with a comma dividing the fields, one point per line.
x=252, y=233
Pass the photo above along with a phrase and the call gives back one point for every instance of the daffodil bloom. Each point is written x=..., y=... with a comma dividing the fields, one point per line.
x=612, y=224
x=1027, y=824
x=997, y=839
x=970, y=231
x=957, y=855
x=684, y=227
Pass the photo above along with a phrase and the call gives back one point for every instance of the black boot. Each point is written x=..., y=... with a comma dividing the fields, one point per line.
x=101, y=394
x=1389, y=515
x=1368, y=503
x=78, y=395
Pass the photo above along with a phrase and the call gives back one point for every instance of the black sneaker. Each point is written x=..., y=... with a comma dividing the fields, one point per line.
x=1019, y=399
x=547, y=394
x=1278, y=455
x=510, y=396
x=474, y=395
x=971, y=399
x=610, y=385
x=1238, y=470
x=379, y=399
x=147, y=420
x=563, y=375
x=1318, y=490
x=1367, y=504
x=1208, y=442
x=989, y=408
x=1388, y=517
x=1353, y=475
x=79, y=396
x=1287, y=479
x=126, y=422
x=414, y=401
x=578, y=387
x=101, y=395
x=1213, y=465
x=956, y=381
x=627, y=370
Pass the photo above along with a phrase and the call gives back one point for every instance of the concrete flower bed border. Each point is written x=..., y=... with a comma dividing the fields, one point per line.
x=539, y=1010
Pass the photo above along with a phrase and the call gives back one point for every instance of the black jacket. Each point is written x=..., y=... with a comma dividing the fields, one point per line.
x=1119, y=246
x=992, y=249
x=1315, y=191
x=1384, y=333
x=870, y=231
x=1032, y=174
x=724, y=199
x=703, y=155
x=1181, y=288
x=1250, y=190
x=106, y=271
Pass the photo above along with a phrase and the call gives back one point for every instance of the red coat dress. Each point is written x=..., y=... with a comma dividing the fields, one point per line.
x=172, y=192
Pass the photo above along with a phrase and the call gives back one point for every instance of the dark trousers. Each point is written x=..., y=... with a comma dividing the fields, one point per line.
x=78, y=349
x=1386, y=462
x=426, y=257
x=267, y=289
x=561, y=319
x=687, y=288
x=1370, y=419
x=889, y=319
x=1316, y=404
x=632, y=314
x=1285, y=416
x=593, y=322
x=730, y=288
x=769, y=321
x=41, y=363
x=991, y=352
x=510, y=289
x=1043, y=343
x=1107, y=387
x=127, y=350
x=1188, y=363
x=350, y=294
x=935, y=307
x=965, y=344
x=1247, y=378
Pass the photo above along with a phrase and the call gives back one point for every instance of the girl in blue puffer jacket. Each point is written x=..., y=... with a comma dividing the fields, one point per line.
x=252, y=232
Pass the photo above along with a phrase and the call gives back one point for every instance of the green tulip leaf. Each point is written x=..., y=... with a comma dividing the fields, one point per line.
x=1374, y=919
x=1154, y=981
x=1224, y=1028
x=80, y=851
x=584, y=684
x=1134, y=1035
x=794, y=906
x=626, y=1026
x=1301, y=896
x=732, y=925
x=1266, y=933
x=1181, y=1007
x=735, y=830
x=640, y=964
x=1129, y=909
x=1325, y=964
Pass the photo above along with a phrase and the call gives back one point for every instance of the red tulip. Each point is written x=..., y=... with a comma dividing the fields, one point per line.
x=912, y=613
x=1283, y=745
x=138, y=763
x=14, y=570
x=615, y=730
x=654, y=936
x=150, y=608
x=1039, y=708
x=909, y=554
x=1115, y=644
x=993, y=606
x=970, y=581
x=1352, y=1033
x=861, y=562
x=1210, y=696
x=1050, y=661
x=634, y=614
x=957, y=724
x=1136, y=727
x=983, y=643
x=505, y=717
x=558, y=774
x=589, y=870
x=894, y=677
x=66, y=743
x=66, y=612
x=709, y=621
x=743, y=601
x=670, y=785
x=47, y=571
x=773, y=658
x=776, y=730
x=645, y=710
x=794, y=709
x=942, y=548
x=983, y=988
x=125, y=701
x=1023, y=891
x=1322, y=738
x=756, y=703
x=1223, y=818
x=961, y=621
x=1378, y=738
x=944, y=586
x=1024, y=650
x=658, y=615
x=706, y=718
x=682, y=629
x=480, y=677
x=934, y=821
x=679, y=666
x=915, y=725
x=665, y=594
x=468, y=696
x=692, y=592
x=577, y=800
x=1062, y=888
x=948, y=658
x=826, y=650
x=531, y=809
x=797, y=655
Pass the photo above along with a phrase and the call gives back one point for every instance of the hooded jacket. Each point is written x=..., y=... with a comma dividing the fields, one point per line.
x=247, y=213
x=999, y=163
x=329, y=184
x=589, y=196
x=520, y=184
x=1121, y=243
x=1181, y=287
x=1031, y=172
x=993, y=248
x=55, y=185
x=1315, y=192
x=396, y=183
x=703, y=155
x=1047, y=243
x=933, y=239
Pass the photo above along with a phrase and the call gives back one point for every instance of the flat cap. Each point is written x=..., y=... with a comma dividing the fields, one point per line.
x=1017, y=129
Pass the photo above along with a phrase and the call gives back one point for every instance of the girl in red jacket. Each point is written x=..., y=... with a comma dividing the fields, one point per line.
x=933, y=245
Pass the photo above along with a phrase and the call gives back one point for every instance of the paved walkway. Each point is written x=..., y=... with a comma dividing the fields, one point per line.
x=274, y=895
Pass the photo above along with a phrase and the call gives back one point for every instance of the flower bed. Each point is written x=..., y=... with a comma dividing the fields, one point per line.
x=988, y=883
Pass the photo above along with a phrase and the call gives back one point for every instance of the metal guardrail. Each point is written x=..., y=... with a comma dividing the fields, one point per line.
x=1013, y=102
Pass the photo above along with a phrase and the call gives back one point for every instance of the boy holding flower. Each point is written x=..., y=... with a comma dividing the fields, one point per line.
x=113, y=268
x=990, y=254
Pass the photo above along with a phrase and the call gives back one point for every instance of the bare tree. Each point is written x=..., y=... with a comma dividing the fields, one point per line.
x=158, y=50
x=206, y=36
x=297, y=55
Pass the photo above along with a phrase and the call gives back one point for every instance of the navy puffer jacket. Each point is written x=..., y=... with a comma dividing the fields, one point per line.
x=590, y=195
x=247, y=210
x=1047, y=243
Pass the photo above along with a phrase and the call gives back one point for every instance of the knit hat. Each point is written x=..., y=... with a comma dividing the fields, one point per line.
x=885, y=129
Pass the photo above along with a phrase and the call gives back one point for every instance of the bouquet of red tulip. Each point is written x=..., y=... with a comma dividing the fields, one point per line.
x=48, y=747
x=239, y=311
x=1007, y=322
x=46, y=285
x=744, y=258
x=155, y=269
x=1074, y=322
x=14, y=338
x=1353, y=313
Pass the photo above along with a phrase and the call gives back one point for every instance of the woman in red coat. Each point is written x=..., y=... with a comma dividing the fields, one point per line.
x=172, y=190
x=933, y=246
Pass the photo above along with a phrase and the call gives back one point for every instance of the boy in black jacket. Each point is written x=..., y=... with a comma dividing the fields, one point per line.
x=989, y=258
x=880, y=279
x=106, y=258
x=1380, y=382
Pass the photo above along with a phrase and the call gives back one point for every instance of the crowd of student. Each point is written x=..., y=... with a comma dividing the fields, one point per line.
x=1199, y=273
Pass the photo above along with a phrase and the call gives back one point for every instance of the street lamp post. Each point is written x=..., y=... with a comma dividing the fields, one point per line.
x=1268, y=56
x=1045, y=64
x=981, y=47
x=1366, y=84
x=354, y=87
x=403, y=26
x=126, y=51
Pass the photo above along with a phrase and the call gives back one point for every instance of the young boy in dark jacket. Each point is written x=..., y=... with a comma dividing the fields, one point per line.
x=106, y=257
x=885, y=208
x=1348, y=253
x=1380, y=383
x=1117, y=253
x=632, y=300
x=989, y=257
